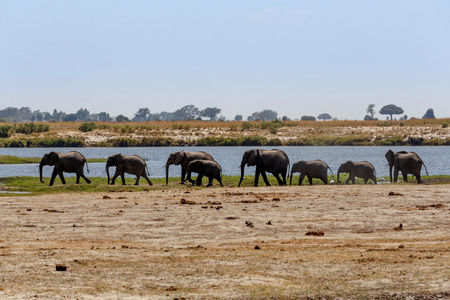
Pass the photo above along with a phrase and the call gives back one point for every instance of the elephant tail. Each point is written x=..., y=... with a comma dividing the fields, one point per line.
x=426, y=170
x=87, y=167
x=332, y=175
x=146, y=167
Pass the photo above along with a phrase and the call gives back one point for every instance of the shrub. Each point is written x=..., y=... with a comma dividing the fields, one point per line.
x=127, y=129
x=445, y=125
x=88, y=126
x=246, y=126
x=5, y=131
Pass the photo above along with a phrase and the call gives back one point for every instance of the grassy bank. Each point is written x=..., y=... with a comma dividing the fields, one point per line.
x=9, y=159
x=32, y=186
x=202, y=133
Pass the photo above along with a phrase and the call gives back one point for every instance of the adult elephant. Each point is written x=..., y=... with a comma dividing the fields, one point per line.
x=407, y=163
x=131, y=164
x=273, y=161
x=72, y=162
x=312, y=169
x=208, y=168
x=361, y=169
x=183, y=158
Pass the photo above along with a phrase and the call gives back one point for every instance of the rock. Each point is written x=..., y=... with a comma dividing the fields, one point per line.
x=106, y=197
x=315, y=233
x=257, y=247
x=60, y=267
x=249, y=223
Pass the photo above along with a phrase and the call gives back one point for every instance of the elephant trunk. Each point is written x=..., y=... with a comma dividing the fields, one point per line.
x=41, y=165
x=167, y=174
x=242, y=174
x=290, y=179
x=339, y=171
x=107, y=173
x=390, y=172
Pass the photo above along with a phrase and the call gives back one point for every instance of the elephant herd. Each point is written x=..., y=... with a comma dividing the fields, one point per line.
x=266, y=161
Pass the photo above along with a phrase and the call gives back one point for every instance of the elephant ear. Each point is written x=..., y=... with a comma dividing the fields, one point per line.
x=52, y=158
x=390, y=157
x=179, y=156
x=120, y=158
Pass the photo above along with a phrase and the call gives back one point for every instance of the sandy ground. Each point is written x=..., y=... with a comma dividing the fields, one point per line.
x=242, y=243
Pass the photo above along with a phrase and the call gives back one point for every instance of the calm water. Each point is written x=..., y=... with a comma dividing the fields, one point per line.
x=437, y=159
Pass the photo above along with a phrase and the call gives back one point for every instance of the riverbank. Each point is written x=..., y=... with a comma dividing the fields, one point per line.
x=255, y=133
x=339, y=242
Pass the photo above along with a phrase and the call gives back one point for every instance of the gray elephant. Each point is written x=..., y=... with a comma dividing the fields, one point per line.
x=183, y=158
x=312, y=169
x=131, y=164
x=72, y=162
x=361, y=169
x=208, y=168
x=407, y=163
x=273, y=161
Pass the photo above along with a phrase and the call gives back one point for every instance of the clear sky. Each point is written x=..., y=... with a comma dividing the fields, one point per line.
x=294, y=57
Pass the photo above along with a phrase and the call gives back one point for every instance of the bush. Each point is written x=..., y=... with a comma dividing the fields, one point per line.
x=5, y=131
x=445, y=125
x=246, y=126
x=88, y=126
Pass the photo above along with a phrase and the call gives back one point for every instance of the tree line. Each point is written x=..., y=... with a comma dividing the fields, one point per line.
x=187, y=112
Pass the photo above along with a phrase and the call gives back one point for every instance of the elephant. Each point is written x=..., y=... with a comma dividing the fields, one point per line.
x=208, y=168
x=361, y=169
x=312, y=169
x=72, y=162
x=407, y=163
x=183, y=158
x=131, y=164
x=274, y=161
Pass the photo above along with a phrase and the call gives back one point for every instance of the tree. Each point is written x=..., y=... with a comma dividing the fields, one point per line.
x=82, y=114
x=211, y=113
x=369, y=118
x=391, y=109
x=324, y=117
x=238, y=118
x=104, y=117
x=188, y=112
x=250, y=118
x=141, y=115
x=308, y=118
x=370, y=110
x=285, y=118
x=122, y=118
x=70, y=118
x=265, y=115
x=429, y=114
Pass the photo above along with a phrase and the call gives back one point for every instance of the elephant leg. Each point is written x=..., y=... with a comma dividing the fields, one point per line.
x=199, y=179
x=61, y=175
x=277, y=176
x=85, y=178
x=219, y=180
x=183, y=175
x=137, y=180
x=396, y=174
x=365, y=180
x=300, y=180
x=146, y=178
x=374, y=179
x=122, y=175
x=419, y=179
x=256, y=176
x=264, y=176
x=309, y=179
x=210, y=180
x=52, y=179
x=78, y=179
x=324, y=179
x=405, y=176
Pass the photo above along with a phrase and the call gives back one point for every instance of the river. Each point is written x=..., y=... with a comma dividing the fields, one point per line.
x=436, y=158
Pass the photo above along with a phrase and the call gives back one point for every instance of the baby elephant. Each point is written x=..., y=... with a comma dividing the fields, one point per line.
x=312, y=169
x=208, y=168
x=361, y=169
x=131, y=164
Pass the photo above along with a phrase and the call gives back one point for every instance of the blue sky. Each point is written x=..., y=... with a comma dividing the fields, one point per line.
x=294, y=57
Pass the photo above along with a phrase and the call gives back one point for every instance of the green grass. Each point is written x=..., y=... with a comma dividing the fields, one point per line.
x=9, y=159
x=33, y=186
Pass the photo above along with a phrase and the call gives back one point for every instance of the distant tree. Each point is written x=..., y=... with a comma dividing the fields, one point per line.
x=308, y=118
x=70, y=118
x=104, y=117
x=265, y=115
x=391, y=109
x=210, y=112
x=188, y=112
x=141, y=115
x=324, y=117
x=429, y=114
x=82, y=114
x=39, y=116
x=250, y=118
x=370, y=110
x=122, y=118
x=370, y=118
x=47, y=116
x=284, y=118
x=238, y=118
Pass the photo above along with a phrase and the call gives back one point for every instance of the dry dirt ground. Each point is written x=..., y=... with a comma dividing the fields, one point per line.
x=238, y=243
